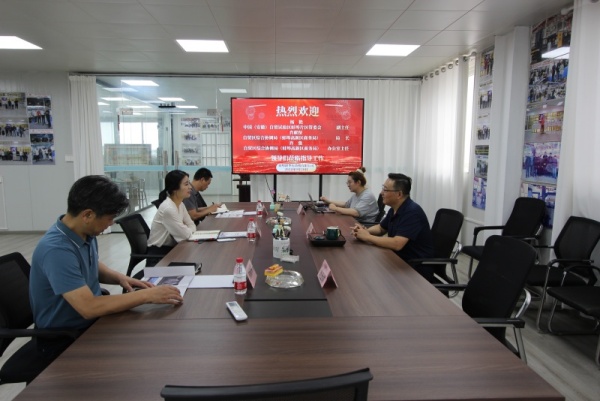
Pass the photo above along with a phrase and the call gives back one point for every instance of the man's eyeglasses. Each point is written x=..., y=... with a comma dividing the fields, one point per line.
x=384, y=189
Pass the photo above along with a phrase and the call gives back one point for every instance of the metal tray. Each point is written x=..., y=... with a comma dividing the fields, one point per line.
x=287, y=279
x=321, y=240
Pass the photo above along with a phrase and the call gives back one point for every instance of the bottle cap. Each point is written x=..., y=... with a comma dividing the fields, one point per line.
x=251, y=218
x=239, y=260
x=259, y=200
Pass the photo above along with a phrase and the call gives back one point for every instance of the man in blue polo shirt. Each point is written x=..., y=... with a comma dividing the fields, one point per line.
x=64, y=283
x=406, y=225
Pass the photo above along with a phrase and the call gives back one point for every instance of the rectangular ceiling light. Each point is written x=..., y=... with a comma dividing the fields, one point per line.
x=120, y=89
x=16, y=43
x=187, y=107
x=172, y=99
x=225, y=90
x=139, y=82
x=102, y=104
x=203, y=46
x=115, y=99
x=392, y=50
x=560, y=53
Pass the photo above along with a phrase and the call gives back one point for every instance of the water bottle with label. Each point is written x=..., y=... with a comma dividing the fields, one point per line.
x=239, y=277
x=259, y=209
x=251, y=230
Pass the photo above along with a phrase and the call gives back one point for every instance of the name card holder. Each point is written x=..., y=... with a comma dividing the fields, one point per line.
x=325, y=276
x=310, y=230
x=251, y=274
x=300, y=209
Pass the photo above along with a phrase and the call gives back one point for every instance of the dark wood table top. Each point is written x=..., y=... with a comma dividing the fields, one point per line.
x=411, y=358
x=382, y=315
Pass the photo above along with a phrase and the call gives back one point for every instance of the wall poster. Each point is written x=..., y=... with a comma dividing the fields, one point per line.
x=26, y=133
x=484, y=106
x=545, y=107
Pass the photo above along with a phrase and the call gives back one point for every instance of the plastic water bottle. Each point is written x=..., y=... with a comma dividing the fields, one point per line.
x=239, y=277
x=251, y=230
x=259, y=209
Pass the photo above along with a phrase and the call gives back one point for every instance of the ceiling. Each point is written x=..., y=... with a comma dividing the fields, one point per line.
x=264, y=37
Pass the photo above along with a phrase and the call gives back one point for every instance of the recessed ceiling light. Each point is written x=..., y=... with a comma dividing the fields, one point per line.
x=204, y=46
x=225, y=90
x=14, y=42
x=115, y=99
x=392, y=50
x=172, y=99
x=187, y=107
x=560, y=53
x=120, y=89
x=139, y=82
x=102, y=104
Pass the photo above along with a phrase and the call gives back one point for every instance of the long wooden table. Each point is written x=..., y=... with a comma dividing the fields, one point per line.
x=383, y=315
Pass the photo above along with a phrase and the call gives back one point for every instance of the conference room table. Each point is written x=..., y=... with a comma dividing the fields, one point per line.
x=382, y=315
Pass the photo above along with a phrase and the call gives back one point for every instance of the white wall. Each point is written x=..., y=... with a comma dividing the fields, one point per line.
x=34, y=196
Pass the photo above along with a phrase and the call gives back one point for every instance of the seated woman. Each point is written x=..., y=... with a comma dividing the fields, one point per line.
x=362, y=205
x=172, y=223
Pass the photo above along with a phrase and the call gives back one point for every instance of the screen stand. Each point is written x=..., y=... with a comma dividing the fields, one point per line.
x=320, y=186
x=275, y=188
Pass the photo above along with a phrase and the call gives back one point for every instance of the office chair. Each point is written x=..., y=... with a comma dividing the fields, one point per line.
x=492, y=293
x=15, y=318
x=445, y=229
x=380, y=215
x=583, y=299
x=524, y=222
x=137, y=231
x=351, y=386
x=573, y=249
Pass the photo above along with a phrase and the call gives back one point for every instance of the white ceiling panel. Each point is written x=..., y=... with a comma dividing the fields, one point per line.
x=257, y=17
x=118, y=13
x=458, y=38
x=301, y=35
x=355, y=36
x=366, y=18
x=407, y=37
x=445, y=5
x=427, y=20
x=182, y=15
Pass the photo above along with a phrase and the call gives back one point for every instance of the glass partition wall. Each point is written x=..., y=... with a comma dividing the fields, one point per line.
x=151, y=125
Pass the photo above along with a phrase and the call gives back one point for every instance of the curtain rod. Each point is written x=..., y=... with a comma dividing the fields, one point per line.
x=166, y=75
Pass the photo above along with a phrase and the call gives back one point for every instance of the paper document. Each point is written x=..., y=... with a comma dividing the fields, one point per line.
x=221, y=209
x=234, y=214
x=178, y=276
x=204, y=235
x=233, y=234
x=217, y=281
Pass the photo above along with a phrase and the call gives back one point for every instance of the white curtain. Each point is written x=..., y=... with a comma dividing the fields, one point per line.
x=578, y=192
x=85, y=127
x=438, y=178
x=391, y=107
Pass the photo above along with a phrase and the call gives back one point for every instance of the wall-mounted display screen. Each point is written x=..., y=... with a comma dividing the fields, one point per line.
x=296, y=136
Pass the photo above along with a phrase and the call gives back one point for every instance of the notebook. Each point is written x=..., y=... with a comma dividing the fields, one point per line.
x=319, y=209
x=204, y=235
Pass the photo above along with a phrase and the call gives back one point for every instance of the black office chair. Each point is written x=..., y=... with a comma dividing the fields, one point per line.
x=573, y=247
x=137, y=231
x=351, y=386
x=524, y=222
x=492, y=293
x=15, y=318
x=583, y=299
x=445, y=229
x=380, y=215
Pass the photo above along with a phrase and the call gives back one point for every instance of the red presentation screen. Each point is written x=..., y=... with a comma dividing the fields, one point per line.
x=296, y=136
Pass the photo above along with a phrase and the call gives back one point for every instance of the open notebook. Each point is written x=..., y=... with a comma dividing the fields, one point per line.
x=204, y=235
x=221, y=209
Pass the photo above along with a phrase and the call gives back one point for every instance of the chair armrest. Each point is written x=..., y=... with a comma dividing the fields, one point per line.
x=433, y=261
x=42, y=333
x=556, y=262
x=451, y=287
x=500, y=322
x=476, y=231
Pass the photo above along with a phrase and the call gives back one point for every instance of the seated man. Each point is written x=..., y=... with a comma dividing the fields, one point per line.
x=195, y=204
x=406, y=225
x=66, y=273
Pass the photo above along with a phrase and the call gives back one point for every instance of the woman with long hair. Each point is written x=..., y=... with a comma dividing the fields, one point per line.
x=172, y=223
x=362, y=205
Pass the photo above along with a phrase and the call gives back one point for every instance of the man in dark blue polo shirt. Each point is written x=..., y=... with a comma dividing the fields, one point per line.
x=406, y=225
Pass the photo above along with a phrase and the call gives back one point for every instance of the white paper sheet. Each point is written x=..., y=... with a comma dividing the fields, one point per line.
x=216, y=281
